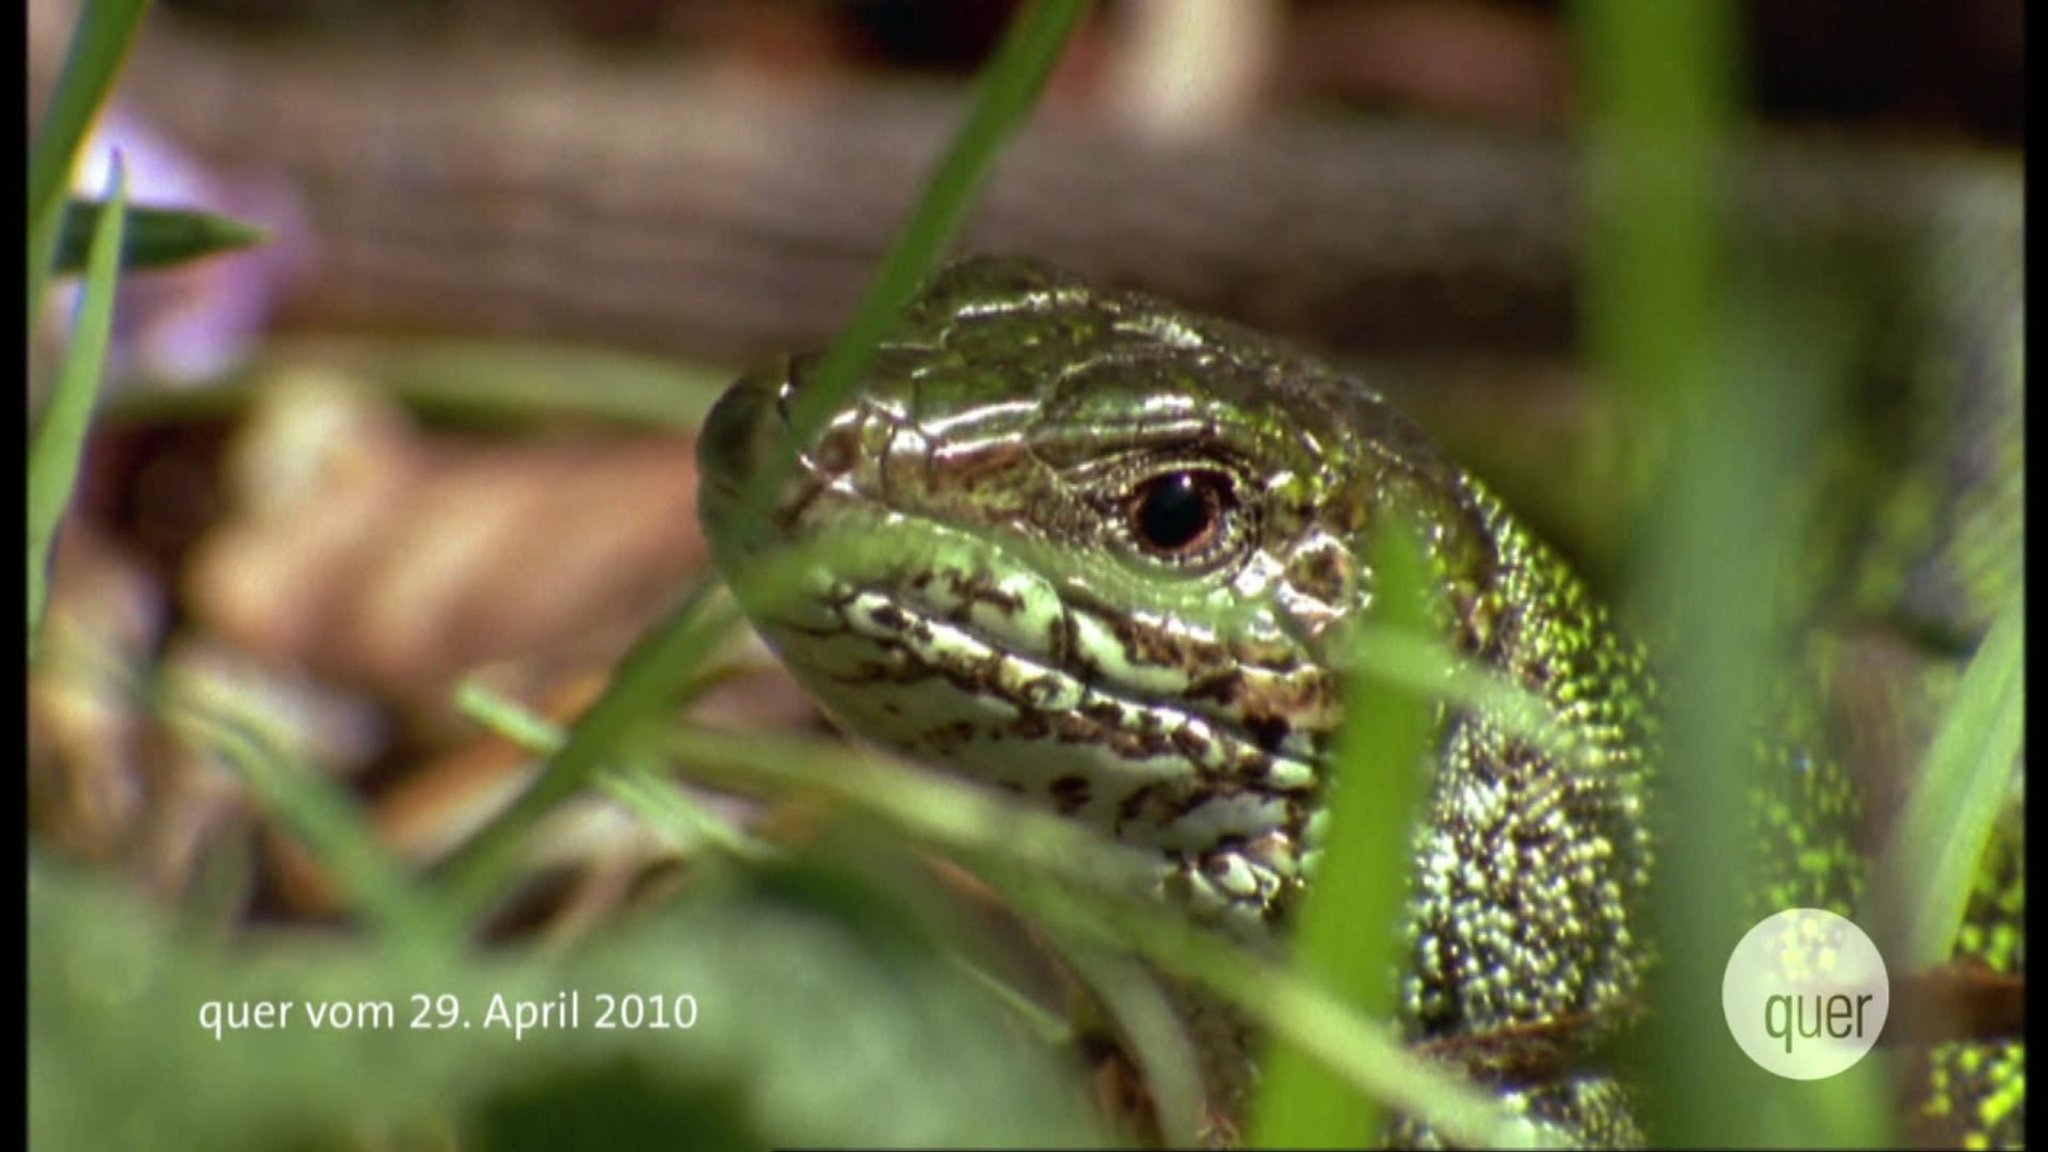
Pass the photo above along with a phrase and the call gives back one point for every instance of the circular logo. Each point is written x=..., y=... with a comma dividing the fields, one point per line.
x=1806, y=993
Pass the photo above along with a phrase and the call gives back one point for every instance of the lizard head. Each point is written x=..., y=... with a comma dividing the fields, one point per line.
x=1086, y=546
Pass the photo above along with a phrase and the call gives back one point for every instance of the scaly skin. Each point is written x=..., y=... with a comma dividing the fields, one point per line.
x=1100, y=552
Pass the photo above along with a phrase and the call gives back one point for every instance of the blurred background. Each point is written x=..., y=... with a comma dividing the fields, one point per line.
x=440, y=427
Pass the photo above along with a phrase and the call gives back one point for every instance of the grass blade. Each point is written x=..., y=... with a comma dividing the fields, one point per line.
x=321, y=817
x=1960, y=789
x=60, y=437
x=651, y=674
x=156, y=237
x=667, y=656
x=105, y=30
x=1662, y=110
x=1349, y=934
x=1008, y=91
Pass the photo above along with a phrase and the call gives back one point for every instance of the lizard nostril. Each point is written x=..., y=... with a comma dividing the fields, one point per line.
x=838, y=450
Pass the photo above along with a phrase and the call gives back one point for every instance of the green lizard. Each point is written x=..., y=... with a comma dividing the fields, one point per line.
x=1105, y=550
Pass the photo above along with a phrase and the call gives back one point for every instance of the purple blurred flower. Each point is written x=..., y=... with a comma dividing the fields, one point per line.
x=188, y=324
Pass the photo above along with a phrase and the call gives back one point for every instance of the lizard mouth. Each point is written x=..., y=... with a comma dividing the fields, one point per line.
x=940, y=640
x=951, y=665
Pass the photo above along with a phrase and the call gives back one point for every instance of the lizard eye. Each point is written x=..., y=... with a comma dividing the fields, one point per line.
x=1182, y=515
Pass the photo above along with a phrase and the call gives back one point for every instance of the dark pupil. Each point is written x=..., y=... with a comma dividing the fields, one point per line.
x=1178, y=512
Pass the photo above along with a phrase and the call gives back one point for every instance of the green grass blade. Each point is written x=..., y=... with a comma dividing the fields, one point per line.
x=651, y=675
x=1661, y=112
x=1962, y=785
x=1144, y=1015
x=1009, y=89
x=1349, y=934
x=496, y=383
x=641, y=788
x=794, y=970
x=105, y=30
x=156, y=237
x=1736, y=374
x=1413, y=659
x=324, y=819
x=679, y=646
x=60, y=437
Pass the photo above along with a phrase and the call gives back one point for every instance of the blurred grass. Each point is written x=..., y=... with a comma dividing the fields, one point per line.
x=1737, y=370
x=649, y=679
x=817, y=993
x=638, y=787
x=1662, y=329
x=1006, y=93
x=1959, y=791
x=1069, y=878
x=321, y=816
x=484, y=383
x=1349, y=933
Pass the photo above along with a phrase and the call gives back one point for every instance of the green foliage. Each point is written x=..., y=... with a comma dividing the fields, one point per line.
x=816, y=997
x=655, y=671
x=1084, y=890
x=1717, y=387
x=1736, y=368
